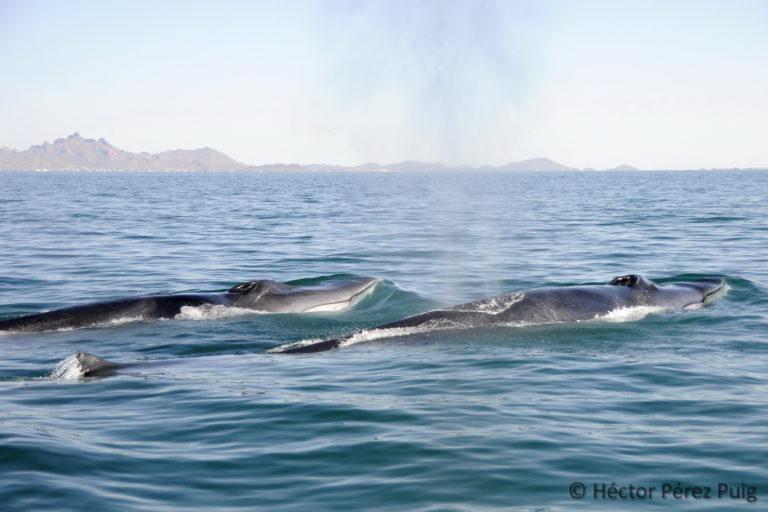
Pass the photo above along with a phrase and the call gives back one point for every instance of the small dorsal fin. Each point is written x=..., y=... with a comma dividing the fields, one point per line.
x=244, y=287
x=260, y=286
x=631, y=281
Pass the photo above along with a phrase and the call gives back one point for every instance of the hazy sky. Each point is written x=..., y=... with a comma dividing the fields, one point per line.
x=668, y=84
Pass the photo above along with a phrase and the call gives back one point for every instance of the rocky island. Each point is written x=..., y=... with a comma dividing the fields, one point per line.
x=76, y=153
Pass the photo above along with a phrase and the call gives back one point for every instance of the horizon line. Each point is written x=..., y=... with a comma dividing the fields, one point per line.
x=371, y=165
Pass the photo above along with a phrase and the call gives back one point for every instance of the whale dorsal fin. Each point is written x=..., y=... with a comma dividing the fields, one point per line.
x=243, y=287
x=261, y=286
x=631, y=281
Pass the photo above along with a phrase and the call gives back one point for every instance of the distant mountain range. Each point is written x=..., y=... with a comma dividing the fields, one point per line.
x=76, y=153
x=624, y=168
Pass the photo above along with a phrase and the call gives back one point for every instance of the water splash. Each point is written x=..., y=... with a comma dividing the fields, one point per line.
x=631, y=314
x=69, y=368
x=213, y=312
x=494, y=305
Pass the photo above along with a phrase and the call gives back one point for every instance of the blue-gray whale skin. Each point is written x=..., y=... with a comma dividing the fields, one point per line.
x=82, y=364
x=545, y=306
x=262, y=295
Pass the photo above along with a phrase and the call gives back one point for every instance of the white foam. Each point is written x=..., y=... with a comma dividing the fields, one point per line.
x=68, y=368
x=393, y=332
x=123, y=320
x=494, y=305
x=212, y=312
x=296, y=344
x=370, y=335
x=629, y=314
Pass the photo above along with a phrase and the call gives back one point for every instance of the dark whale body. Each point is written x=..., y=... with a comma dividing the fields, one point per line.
x=263, y=295
x=542, y=306
x=528, y=307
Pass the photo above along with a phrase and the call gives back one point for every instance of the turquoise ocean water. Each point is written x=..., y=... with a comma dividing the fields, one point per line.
x=470, y=420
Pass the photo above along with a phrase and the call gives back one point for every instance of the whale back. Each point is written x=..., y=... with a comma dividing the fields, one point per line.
x=538, y=306
x=274, y=297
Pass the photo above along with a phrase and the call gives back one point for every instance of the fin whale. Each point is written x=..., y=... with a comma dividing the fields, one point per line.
x=262, y=295
x=527, y=307
x=538, y=306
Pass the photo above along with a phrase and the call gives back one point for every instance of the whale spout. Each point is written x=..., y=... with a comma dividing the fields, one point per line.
x=83, y=364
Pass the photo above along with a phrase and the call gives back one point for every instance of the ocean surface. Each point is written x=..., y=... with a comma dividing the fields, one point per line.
x=499, y=419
